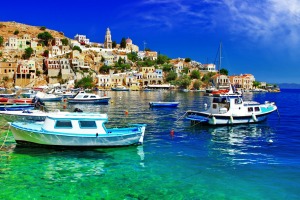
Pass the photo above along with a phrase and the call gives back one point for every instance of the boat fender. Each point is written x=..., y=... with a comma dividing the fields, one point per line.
x=213, y=120
x=254, y=117
x=172, y=132
x=231, y=119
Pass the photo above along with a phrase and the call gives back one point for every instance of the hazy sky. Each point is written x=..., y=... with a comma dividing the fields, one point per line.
x=261, y=37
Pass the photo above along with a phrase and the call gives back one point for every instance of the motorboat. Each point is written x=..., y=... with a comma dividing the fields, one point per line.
x=120, y=88
x=22, y=100
x=3, y=99
x=77, y=130
x=8, y=95
x=23, y=115
x=231, y=110
x=163, y=104
x=89, y=98
x=16, y=106
x=44, y=97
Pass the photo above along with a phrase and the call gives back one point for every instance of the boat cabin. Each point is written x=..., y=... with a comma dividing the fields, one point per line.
x=76, y=123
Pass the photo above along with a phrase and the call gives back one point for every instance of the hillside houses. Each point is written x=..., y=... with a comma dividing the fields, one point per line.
x=62, y=64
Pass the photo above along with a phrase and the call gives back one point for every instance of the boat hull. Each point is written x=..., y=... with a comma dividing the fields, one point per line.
x=90, y=101
x=120, y=89
x=163, y=104
x=205, y=118
x=114, y=138
x=23, y=116
x=16, y=107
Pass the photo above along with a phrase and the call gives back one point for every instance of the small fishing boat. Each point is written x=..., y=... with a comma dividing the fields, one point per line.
x=163, y=104
x=89, y=98
x=120, y=88
x=13, y=106
x=29, y=94
x=44, y=97
x=23, y=115
x=77, y=130
x=8, y=95
x=22, y=100
x=3, y=99
x=232, y=110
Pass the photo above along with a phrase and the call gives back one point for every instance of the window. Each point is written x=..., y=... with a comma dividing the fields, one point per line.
x=63, y=124
x=86, y=96
x=250, y=109
x=256, y=109
x=87, y=124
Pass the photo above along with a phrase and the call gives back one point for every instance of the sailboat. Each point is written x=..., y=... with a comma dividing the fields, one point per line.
x=217, y=91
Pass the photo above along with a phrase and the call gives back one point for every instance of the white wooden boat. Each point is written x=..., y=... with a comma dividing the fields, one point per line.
x=232, y=110
x=89, y=98
x=77, y=130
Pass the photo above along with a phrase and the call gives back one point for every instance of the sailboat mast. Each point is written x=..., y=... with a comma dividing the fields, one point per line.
x=220, y=58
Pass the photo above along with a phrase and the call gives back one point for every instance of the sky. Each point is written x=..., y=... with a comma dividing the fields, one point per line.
x=259, y=37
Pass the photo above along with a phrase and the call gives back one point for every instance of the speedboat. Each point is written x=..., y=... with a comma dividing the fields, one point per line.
x=164, y=104
x=77, y=130
x=232, y=110
x=83, y=97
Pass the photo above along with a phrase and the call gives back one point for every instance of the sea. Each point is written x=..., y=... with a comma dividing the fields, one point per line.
x=178, y=160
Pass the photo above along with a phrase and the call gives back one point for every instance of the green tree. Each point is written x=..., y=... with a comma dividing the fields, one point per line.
x=85, y=82
x=256, y=84
x=114, y=44
x=133, y=56
x=105, y=69
x=171, y=76
x=167, y=67
x=65, y=41
x=161, y=59
x=45, y=36
x=185, y=70
x=1, y=41
x=187, y=60
x=123, y=43
x=77, y=48
x=184, y=81
x=43, y=28
x=196, y=84
x=195, y=74
x=206, y=78
x=224, y=71
x=28, y=53
x=46, y=53
x=16, y=32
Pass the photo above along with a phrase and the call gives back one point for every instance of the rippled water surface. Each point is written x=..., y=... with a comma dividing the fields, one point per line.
x=259, y=161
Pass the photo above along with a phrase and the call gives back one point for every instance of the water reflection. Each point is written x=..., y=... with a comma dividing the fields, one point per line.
x=244, y=144
x=60, y=164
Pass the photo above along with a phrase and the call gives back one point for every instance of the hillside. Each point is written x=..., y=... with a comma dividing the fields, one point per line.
x=7, y=30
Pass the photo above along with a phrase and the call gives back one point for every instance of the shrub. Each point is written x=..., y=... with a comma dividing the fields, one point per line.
x=16, y=32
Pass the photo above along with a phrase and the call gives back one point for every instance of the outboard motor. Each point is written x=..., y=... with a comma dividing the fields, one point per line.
x=77, y=110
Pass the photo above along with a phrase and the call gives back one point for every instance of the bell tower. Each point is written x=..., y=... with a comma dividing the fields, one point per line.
x=107, y=41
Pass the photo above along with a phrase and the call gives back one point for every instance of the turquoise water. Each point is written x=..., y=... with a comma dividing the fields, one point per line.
x=259, y=161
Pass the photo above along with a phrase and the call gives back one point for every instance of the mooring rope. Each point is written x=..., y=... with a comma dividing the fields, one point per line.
x=5, y=137
x=181, y=117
